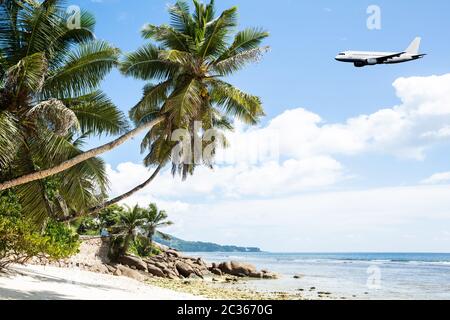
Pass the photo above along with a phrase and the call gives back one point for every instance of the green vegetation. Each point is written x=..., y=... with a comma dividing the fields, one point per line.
x=131, y=229
x=125, y=231
x=135, y=229
x=142, y=247
x=156, y=219
x=21, y=240
x=51, y=104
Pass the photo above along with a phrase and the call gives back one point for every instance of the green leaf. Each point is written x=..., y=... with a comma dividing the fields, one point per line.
x=29, y=72
x=245, y=40
x=180, y=17
x=217, y=32
x=10, y=138
x=167, y=36
x=150, y=105
x=147, y=64
x=236, y=103
x=97, y=114
x=185, y=102
x=82, y=71
x=238, y=61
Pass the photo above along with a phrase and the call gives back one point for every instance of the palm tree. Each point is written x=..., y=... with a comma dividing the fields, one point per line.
x=155, y=219
x=49, y=78
x=50, y=104
x=192, y=56
x=127, y=228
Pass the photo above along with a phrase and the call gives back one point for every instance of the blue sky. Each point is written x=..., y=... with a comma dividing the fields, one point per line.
x=300, y=72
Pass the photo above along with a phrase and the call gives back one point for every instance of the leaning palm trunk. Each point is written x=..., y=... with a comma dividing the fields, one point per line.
x=39, y=175
x=125, y=195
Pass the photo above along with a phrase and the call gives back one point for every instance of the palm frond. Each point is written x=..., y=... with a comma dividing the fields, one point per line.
x=10, y=139
x=203, y=14
x=69, y=37
x=185, y=102
x=82, y=71
x=238, y=61
x=79, y=186
x=180, y=17
x=40, y=24
x=167, y=36
x=248, y=39
x=32, y=196
x=97, y=114
x=149, y=107
x=29, y=72
x=54, y=115
x=10, y=38
x=182, y=58
x=34, y=202
x=82, y=185
x=236, y=103
x=217, y=32
x=147, y=64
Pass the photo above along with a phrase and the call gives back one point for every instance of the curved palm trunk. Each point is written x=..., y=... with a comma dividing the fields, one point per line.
x=125, y=195
x=39, y=175
x=106, y=204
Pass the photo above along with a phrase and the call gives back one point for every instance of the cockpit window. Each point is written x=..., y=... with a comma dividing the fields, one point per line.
x=342, y=54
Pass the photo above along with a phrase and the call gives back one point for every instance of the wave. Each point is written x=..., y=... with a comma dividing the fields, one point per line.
x=423, y=259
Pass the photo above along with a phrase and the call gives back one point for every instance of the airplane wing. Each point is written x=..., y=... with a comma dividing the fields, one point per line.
x=385, y=58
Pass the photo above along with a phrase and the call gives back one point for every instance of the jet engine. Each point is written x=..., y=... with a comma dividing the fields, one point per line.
x=360, y=64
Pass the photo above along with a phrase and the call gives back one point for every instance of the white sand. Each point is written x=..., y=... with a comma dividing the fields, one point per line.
x=50, y=283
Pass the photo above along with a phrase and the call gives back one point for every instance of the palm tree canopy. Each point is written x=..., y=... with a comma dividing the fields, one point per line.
x=50, y=104
x=155, y=218
x=186, y=61
x=129, y=221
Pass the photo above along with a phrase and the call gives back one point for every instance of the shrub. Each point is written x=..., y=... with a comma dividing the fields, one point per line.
x=62, y=241
x=94, y=225
x=143, y=248
x=20, y=240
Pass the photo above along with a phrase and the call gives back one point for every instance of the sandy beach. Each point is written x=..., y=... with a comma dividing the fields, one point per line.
x=51, y=283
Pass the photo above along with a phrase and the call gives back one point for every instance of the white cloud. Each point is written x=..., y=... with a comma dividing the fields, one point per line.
x=438, y=178
x=268, y=179
x=381, y=220
x=402, y=130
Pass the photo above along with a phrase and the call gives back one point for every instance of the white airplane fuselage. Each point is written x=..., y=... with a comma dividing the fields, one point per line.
x=368, y=58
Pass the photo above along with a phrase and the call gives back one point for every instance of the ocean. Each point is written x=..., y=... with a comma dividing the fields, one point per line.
x=365, y=276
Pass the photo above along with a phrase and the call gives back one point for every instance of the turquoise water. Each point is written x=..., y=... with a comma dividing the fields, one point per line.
x=350, y=275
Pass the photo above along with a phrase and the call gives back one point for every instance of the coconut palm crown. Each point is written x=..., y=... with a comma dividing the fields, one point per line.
x=50, y=104
x=186, y=62
x=155, y=219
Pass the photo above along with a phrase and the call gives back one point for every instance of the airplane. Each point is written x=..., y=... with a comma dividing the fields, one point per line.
x=367, y=58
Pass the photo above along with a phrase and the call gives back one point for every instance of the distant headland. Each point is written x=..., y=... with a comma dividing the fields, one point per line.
x=197, y=246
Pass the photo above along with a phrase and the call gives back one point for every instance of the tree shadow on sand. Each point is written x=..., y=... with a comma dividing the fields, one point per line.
x=45, y=281
x=11, y=294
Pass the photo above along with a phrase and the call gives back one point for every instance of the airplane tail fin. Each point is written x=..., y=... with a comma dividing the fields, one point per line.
x=414, y=46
